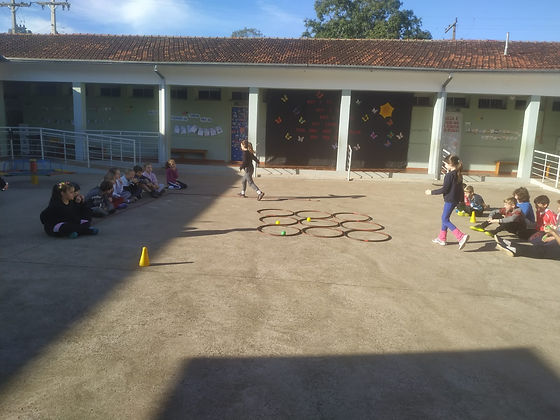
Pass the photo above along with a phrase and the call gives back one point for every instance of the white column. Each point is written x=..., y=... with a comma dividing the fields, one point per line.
x=80, y=117
x=343, y=127
x=438, y=120
x=164, y=122
x=253, y=122
x=528, y=137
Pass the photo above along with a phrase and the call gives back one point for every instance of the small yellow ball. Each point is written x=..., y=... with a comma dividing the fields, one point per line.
x=278, y=222
x=309, y=219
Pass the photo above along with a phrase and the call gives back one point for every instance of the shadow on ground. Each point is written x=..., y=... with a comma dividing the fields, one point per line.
x=510, y=383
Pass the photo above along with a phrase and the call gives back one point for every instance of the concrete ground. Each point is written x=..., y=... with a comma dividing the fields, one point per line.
x=228, y=322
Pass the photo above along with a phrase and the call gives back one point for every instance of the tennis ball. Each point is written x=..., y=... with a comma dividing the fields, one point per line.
x=278, y=222
x=309, y=219
x=283, y=233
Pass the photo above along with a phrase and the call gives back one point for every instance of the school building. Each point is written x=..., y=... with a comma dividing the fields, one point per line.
x=303, y=102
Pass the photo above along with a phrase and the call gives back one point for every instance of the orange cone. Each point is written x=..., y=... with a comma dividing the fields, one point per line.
x=144, y=259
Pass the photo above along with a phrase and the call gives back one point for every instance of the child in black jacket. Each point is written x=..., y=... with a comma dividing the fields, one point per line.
x=247, y=164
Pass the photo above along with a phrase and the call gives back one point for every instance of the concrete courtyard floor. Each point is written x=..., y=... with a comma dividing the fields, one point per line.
x=228, y=322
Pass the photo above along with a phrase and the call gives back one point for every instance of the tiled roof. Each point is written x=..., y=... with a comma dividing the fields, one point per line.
x=426, y=54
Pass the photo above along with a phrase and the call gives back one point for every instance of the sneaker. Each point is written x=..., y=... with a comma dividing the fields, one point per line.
x=463, y=241
x=508, y=250
x=460, y=213
x=501, y=241
x=478, y=229
x=73, y=235
x=173, y=187
x=489, y=233
x=439, y=241
x=260, y=196
x=242, y=195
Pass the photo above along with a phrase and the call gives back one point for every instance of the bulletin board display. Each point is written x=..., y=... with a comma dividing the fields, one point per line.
x=379, y=129
x=239, y=119
x=302, y=127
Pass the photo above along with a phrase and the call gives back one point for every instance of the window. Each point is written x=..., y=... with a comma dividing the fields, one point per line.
x=46, y=89
x=491, y=103
x=210, y=94
x=143, y=92
x=179, y=93
x=457, y=102
x=239, y=96
x=114, y=92
x=556, y=105
x=520, y=104
x=422, y=101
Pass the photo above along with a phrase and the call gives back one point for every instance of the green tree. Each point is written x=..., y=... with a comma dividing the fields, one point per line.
x=247, y=33
x=381, y=19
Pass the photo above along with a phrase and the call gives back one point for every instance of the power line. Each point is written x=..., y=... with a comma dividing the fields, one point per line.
x=53, y=4
x=13, y=7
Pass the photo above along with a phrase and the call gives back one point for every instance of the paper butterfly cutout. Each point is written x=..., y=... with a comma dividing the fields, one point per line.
x=319, y=95
x=284, y=98
x=301, y=120
x=390, y=135
x=300, y=138
x=400, y=136
x=278, y=120
x=288, y=136
x=389, y=122
x=296, y=110
x=334, y=146
x=358, y=102
x=373, y=135
x=387, y=143
x=356, y=147
x=374, y=110
x=365, y=118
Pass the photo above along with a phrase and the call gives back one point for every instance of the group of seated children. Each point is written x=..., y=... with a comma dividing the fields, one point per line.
x=517, y=217
x=69, y=213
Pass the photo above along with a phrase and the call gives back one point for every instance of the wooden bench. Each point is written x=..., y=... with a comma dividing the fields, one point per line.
x=181, y=154
x=500, y=163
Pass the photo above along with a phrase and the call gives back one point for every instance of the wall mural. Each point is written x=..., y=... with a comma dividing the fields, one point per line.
x=380, y=129
x=302, y=127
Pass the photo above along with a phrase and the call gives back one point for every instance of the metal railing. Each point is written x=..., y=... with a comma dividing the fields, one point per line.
x=146, y=141
x=546, y=168
x=47, y=143
x=349, y=162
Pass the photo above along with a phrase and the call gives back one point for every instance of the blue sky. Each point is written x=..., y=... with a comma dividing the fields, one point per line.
x=488, y=19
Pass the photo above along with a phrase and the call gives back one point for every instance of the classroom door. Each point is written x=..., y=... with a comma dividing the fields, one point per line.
x=239, y=122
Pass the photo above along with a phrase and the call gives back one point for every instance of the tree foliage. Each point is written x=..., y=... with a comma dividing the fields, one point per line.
x=247, y=33
x=382, y=19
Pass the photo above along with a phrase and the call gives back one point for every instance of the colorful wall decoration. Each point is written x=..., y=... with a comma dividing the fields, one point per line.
x=239, y=120
x=379, y=129
x=302, y=127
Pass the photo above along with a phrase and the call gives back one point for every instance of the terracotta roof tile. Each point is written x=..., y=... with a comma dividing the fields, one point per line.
x=432, y=54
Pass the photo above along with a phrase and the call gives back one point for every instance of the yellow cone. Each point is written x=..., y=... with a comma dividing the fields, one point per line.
x=473, y=217
x=144, y=259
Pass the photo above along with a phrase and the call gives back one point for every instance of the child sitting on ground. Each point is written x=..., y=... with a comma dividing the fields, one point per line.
x=100, y=201
x=62, y=217
x=545, y=217
x=473, y=202
x=172, y=174
x=118, y=189
x=130, y=183
x=509, y=218
x=145, y=183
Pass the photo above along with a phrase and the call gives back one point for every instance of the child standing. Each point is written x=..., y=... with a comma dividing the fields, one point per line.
x=452, y=191
x=172, y=174
x=247, y=165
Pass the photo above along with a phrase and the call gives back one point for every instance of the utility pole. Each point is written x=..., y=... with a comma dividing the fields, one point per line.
x=454, y=26
x=13, y=7
x=52, y=4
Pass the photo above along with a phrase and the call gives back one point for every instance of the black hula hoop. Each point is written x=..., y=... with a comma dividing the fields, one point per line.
x=261, y=229
x=367, y=218
x=278, y=215
x=297, y=213
x=296, y=221
x=386, y=236
x=362, y=230
x=308, y=228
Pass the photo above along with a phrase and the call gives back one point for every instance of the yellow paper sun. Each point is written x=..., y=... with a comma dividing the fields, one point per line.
x=386, y=110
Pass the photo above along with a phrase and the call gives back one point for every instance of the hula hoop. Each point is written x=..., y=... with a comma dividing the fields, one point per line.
x=261, y=229
x=333, y=223
x=367, y=218
x=279, y=224
x=380, y=227
x=277, y=215
x=308, y=228
x=297, y=213
x=386, y=236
